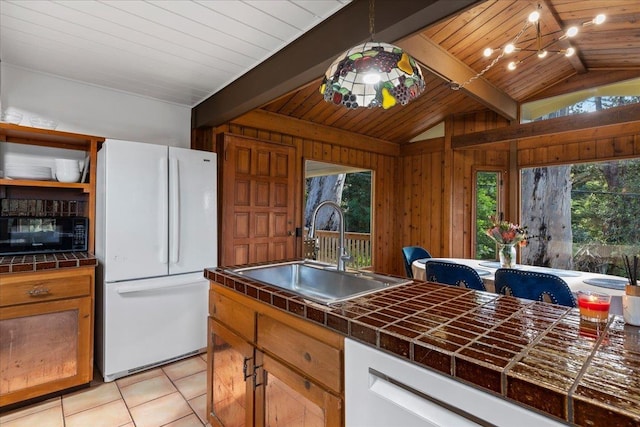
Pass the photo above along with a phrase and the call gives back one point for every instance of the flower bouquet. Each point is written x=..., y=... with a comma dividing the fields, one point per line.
x=507, y=235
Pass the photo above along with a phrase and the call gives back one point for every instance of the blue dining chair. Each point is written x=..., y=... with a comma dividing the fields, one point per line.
x=412, y=253
x=451, y=273
x=534, y=286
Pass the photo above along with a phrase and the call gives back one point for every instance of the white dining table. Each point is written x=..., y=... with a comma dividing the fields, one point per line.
x=577, y=280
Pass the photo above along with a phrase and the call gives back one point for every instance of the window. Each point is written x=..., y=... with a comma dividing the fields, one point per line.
x=488, y=193
x=351, y=187
x=583, y=216
x=592, y=99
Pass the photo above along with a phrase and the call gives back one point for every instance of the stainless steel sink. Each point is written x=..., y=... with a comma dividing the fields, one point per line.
x=319, y=282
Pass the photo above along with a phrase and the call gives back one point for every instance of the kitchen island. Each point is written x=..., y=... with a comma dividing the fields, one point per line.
x=534, y=354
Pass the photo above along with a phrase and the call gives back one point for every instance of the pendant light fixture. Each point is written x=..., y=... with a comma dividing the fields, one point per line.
x=535, y=45
x=372, y=74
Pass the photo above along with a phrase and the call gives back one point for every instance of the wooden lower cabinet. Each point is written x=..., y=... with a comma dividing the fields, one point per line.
x=252, y=382
x=46, y=332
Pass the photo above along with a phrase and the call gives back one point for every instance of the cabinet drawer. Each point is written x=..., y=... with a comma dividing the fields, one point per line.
x=319, y=360
x=41, y=287
x=234, y=315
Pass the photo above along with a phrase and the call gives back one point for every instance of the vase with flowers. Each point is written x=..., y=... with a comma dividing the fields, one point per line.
x=631, y=297
x=507, y=235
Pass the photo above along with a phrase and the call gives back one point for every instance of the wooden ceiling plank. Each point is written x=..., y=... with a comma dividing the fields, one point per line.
x=442, y=64
x=564, y=44
x=308, y=57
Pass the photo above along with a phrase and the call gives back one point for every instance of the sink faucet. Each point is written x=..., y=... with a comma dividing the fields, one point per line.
x=342, y=250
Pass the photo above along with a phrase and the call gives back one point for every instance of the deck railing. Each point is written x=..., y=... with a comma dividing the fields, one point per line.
x=358, y=246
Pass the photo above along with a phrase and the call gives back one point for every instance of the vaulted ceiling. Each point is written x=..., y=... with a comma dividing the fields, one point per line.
x=452, y=50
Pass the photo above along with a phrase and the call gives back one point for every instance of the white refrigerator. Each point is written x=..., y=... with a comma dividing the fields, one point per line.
x=156, y=232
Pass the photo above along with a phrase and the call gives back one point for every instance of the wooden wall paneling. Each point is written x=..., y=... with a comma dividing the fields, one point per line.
x=435, y=204
x=335, y=154
x=587, y=150
x=457, y=205
x=385, y=219
x=624, y=145
x=384, y=210
x=556, y=153
x=419, y=194
x=467, y=195
x=448, y=186
x=406, y=191
x=605, y=148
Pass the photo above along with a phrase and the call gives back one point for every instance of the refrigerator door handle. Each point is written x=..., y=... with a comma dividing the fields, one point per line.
x=174, y=203
x=130, y=289
x=163, y=196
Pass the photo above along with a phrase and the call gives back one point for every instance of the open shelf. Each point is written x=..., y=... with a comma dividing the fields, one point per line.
x=47, y=184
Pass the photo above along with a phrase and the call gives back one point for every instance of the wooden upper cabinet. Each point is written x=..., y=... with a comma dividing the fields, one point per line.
x=258, y=196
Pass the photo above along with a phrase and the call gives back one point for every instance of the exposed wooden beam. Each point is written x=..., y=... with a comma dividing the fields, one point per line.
x=273, y=122
x=601, y=124
x=557, y=25
x=449, y=68
x=308, y=57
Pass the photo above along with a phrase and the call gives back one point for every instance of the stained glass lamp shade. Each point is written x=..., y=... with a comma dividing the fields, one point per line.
x=372, y=75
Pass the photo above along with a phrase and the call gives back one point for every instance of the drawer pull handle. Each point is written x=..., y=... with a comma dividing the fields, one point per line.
x=38, y=291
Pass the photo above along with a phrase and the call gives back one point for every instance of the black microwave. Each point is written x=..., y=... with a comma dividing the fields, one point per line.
x=21, y=235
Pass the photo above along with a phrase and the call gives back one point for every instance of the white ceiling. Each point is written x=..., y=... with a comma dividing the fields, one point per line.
x=179, y=51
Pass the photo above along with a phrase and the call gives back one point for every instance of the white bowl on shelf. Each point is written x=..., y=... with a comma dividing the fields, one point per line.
x=68, y=176
x=67, y=170
x=67, y=165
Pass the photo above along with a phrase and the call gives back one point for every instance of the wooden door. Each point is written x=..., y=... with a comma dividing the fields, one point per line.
x=258, y=198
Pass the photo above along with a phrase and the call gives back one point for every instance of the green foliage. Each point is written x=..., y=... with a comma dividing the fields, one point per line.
x=360, y=260
x=356, y=202
x=605, y=202
x=486, y=206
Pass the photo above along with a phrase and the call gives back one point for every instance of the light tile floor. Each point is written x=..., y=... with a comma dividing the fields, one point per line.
x=171, y=396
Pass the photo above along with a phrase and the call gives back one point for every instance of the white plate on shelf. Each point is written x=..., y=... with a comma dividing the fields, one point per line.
x=36, y=173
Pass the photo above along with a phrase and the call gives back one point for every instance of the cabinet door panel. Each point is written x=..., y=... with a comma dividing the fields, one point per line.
x=230, y=358
x=44, y=347
x=291, y=400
